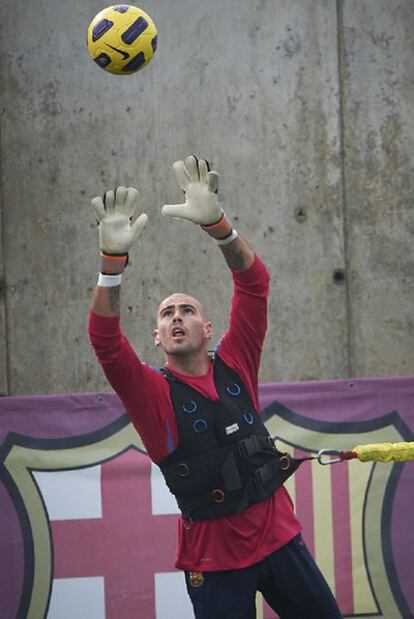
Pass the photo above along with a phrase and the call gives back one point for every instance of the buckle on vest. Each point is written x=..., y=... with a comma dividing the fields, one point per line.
x=267, y=472
x=218, y=495
x=247, y=446
x=284, y=462
x=263, y=475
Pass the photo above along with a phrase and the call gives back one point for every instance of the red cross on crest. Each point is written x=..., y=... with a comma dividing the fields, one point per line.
x=127, y=546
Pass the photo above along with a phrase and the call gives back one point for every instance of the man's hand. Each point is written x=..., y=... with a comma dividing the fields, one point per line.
x=200, y=186
x=114, y=213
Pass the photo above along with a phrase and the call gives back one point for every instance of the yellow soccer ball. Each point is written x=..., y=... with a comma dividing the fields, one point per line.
x=122, y=39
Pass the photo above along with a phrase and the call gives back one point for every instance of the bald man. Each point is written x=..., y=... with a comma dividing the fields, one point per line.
x=198, y=418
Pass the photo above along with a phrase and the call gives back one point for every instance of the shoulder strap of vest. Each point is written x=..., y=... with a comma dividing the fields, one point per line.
x=167, y=374
x=225, y=370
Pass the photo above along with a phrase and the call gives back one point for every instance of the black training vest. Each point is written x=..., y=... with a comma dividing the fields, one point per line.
x=225, y=459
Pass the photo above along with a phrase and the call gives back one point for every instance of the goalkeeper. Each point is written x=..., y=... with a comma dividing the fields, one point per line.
x=198, y=418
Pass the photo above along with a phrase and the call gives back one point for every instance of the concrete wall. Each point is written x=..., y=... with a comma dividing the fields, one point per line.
x=305, y=107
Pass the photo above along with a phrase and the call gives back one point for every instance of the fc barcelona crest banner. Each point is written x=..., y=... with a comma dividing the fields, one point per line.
x=88, y=528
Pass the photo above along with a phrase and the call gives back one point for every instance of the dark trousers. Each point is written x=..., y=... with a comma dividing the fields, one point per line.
x=289, y=580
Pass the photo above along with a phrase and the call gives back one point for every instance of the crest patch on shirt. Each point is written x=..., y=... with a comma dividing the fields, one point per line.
x=196, y=579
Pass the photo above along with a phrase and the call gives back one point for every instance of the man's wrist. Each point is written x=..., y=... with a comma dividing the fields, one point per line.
x=220, y=230
x=228, y=239
x=109, y=281
x=113, y=264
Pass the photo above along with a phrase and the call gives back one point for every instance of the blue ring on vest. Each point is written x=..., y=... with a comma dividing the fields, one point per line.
x=201, y=424
x=234, y=390
x=193, y=408
x=183, y=469
x=248, y=417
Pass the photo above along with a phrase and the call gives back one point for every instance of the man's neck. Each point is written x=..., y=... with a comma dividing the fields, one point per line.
x=192, y=365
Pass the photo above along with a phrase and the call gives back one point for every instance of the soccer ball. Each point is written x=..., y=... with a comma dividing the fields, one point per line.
x=122, y=39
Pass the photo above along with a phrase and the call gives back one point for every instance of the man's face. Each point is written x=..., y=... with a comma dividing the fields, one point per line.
x=182, y=328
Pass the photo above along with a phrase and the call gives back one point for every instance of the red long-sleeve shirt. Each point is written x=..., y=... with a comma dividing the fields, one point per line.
x=230, y=542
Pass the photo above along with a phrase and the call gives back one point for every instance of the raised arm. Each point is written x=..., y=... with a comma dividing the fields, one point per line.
x=117, y=233
x=201, y=206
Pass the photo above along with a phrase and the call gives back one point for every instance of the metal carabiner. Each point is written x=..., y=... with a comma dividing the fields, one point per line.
x=329, y=452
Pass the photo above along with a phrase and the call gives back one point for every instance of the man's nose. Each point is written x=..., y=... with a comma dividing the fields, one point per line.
x=177, y=317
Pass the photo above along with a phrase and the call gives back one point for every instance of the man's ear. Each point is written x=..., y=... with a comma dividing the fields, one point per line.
x=208, y=329
x=156, y=335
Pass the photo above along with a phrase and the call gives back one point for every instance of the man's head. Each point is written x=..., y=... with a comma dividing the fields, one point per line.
x=182, y=325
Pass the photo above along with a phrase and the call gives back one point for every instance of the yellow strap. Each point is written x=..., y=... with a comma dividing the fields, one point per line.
x=385, y=452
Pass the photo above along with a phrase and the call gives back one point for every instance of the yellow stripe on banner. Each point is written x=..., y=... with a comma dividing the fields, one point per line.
x=259, y=606
x=323, y=522
x=358, y=483
x=291, y=488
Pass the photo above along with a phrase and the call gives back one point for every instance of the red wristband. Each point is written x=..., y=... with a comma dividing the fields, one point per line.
x=113, y=264
x=221, y=229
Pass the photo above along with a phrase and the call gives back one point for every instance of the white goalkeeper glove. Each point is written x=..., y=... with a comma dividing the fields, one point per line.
x=117, y=229
x=201, y=206
x=200, y=186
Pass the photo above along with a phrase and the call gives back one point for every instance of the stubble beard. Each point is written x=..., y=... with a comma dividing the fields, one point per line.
x=185, y=349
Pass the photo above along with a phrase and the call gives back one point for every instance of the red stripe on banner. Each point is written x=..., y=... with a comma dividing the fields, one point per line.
x=304, y=500
x=341, y=507
x=268, y=613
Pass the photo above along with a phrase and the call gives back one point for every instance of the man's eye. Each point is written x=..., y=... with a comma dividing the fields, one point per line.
x=189, y=310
